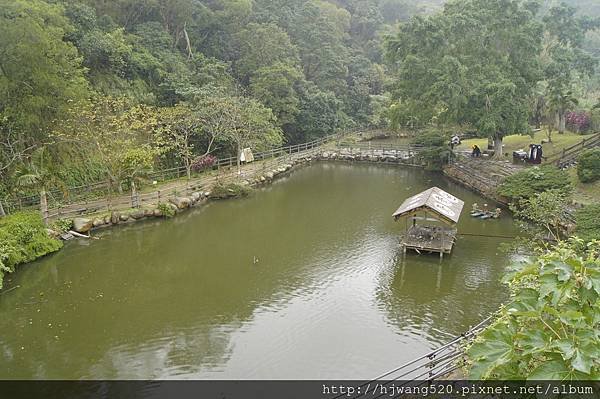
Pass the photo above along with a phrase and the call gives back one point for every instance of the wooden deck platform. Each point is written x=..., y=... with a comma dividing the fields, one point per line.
x=429, y=239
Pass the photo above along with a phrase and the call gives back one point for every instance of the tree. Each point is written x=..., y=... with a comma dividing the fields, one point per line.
x=560, y=103
x=564, y=58
x=262, y=46
x=475, y=63
x=175, y=130
x=276, y=87
x=40, y=74
x=319, y=29
x=320, y=113
x=40, y=175
x=250, y=124
x=105, y=129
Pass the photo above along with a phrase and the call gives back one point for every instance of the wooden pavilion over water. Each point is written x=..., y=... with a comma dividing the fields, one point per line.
x=434, y=215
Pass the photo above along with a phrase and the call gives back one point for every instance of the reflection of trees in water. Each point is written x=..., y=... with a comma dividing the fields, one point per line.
x=424, y=294
x=104, y=319
x=130, y=311
x=165, y=296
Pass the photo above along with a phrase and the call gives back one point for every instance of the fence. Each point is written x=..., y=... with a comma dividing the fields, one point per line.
x=97, y=195
x=569, y=155
x=435, y=365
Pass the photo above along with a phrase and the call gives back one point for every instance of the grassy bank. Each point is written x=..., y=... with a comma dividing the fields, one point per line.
x=521, y=142
x=23, y=238
x=584, y=193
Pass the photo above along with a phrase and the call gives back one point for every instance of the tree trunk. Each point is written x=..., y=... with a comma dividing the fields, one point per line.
x=134, y=198
x=239, y=155
x=562, y=122
x=188, y=169
x=44, y=206
x=498, y=150
x=2, y=213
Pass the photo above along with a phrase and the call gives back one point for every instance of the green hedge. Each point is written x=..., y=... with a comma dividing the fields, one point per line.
x=588, y=166
x=535, y=180
x=588, y=222
x=23, y=238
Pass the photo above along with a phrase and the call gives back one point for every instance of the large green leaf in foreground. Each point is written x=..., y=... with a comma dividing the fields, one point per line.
x=550, y=330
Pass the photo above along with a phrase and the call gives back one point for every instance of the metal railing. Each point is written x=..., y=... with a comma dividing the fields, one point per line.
x=436, y=364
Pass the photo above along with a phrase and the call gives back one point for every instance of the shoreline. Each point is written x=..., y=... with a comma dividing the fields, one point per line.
x=89, y=223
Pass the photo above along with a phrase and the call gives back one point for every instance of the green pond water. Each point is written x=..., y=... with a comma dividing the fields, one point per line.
x=303, y=279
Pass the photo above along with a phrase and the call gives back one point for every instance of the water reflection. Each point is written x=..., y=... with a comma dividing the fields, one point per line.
x=330, y=297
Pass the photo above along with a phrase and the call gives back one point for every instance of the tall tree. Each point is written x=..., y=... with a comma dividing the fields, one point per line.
x=475, y=63
x=564, y=57
x=276, y=86
x=261, y=46
x=40, y=73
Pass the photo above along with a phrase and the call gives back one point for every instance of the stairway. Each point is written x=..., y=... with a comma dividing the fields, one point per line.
x=568, y=157
x=482, y=175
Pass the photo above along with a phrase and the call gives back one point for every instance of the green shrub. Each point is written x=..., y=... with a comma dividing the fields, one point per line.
x=62, y=225
x=230, y=190
x=588, y=166
x=549, y=329
x=588, y=222
x=166, y=209
x=436, y=152
x=23, y=238
x=529, y=182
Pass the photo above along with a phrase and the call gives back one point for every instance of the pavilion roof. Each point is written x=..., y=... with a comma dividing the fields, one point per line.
x=436, y=200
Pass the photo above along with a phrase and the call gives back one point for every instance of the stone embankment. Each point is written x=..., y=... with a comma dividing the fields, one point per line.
x=219, y=190
x=370, y=155
x=482, y=175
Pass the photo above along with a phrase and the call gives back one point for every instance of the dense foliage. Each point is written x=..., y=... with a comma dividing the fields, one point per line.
x=436, y=151
x=588, y=166
x=494, y=65
x=279, y=71
x=543, y=215
x=578, y=121
x=588, y=222
x=23, y=238
x=527, y=183
x=130, y=69
x=550, y=329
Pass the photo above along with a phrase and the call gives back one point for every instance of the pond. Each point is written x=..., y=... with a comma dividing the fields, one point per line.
x=304, y=279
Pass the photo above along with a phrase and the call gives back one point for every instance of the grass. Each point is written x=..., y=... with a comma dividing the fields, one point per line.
x=584, y=193
x=518, y=142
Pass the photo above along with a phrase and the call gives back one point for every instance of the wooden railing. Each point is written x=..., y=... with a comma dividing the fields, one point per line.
x=97, y=196
x=182, y=189
x=569, y=154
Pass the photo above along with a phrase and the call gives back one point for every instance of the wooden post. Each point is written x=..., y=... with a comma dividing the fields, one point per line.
x=44, y=206
x=2, y=213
